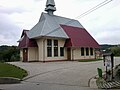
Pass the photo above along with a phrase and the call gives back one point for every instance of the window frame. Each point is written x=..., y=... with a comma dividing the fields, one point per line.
x=56, y=43
x=55, y=51
x=62, y=51
x=49, y=42
x=82, y=51
x=49, y=51
x=91, y=51
x=87, y=51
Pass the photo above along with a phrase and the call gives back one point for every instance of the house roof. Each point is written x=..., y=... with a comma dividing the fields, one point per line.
x=79, y=37
x=60, y=27
x=25, y=42
x=49, y=25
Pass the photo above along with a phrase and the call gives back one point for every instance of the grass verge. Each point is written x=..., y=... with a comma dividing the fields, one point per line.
x=90, y=60
x=8, y=70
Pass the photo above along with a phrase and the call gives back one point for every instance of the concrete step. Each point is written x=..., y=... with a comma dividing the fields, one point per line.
x=109, y=85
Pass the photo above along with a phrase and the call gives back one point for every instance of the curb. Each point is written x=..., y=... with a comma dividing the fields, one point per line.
x=9, y=80
x=92, y=82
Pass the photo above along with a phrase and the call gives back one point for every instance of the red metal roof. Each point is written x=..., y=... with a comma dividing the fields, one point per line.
x=26, y=42
x=79, y=37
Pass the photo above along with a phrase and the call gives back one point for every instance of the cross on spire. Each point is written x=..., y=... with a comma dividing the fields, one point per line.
x=50, y=7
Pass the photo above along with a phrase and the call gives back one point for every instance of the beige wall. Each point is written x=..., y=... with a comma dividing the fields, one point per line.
x=40, y=49
x=21, y=54
x=33, y=54
x=42, y=45
x=40, y=53
x=61, y=43
x=76, y=54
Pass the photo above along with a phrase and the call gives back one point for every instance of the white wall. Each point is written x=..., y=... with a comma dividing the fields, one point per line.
x=42, y=45
x=33, y=54
x=21, y=54
x=76, y=54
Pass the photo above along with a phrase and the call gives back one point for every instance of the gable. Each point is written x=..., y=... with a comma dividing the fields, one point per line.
x=25, y=42
x=79, y=37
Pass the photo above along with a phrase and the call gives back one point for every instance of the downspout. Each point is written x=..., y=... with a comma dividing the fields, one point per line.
x=26, y=48
x=44, y=50
x=73, y=54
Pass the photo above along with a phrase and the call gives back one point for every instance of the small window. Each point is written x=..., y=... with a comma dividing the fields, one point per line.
x=49, y=42
x=55, y=51
x=55, y=42
x=91, y=51
x=49, y=51
x=82, y=51
x=61, y=51
x=87, y=51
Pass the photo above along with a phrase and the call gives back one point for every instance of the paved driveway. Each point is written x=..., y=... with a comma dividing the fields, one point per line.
x=57, y=75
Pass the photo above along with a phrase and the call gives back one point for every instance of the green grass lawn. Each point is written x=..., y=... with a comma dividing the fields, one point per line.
x=91, y=60
x=8, y=70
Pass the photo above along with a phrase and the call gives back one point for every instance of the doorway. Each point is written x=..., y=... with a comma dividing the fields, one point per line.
x=25, y=54
x=69, y=53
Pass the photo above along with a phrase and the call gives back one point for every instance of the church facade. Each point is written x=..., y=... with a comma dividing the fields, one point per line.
x=56, y=38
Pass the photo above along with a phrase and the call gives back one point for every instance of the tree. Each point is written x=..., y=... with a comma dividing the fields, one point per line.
x=9, y=53
x=115, y=51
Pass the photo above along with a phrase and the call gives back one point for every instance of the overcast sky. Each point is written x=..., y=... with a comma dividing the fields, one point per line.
x=103, y=24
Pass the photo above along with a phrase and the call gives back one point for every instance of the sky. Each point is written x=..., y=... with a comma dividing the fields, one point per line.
x=103, y=24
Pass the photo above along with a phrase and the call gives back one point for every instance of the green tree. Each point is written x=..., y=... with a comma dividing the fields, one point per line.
x=9, y=53
x=115, y=51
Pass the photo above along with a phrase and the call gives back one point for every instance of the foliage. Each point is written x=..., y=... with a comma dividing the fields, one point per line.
x=115, y=51
x=8, y=70
x=106, y=46
x=9, y=53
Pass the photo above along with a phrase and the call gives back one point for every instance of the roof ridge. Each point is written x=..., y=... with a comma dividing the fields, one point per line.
x=43, y=26
x=72, y=26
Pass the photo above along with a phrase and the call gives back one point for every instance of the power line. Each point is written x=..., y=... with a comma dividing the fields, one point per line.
x=85, y=13
x=95, y=8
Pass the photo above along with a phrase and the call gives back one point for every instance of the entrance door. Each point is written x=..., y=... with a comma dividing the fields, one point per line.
x=69, y=53
x=25, y=55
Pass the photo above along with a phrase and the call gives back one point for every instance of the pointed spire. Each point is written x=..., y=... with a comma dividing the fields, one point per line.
x=50, y=7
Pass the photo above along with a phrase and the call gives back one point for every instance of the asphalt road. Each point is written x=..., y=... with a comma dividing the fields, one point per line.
x=68, y=75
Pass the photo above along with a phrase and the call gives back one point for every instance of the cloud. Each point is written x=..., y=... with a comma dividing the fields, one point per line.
x=10, y=10
x=104, y=24
x=109, y=37
x=16, y=15
x=9, y=32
